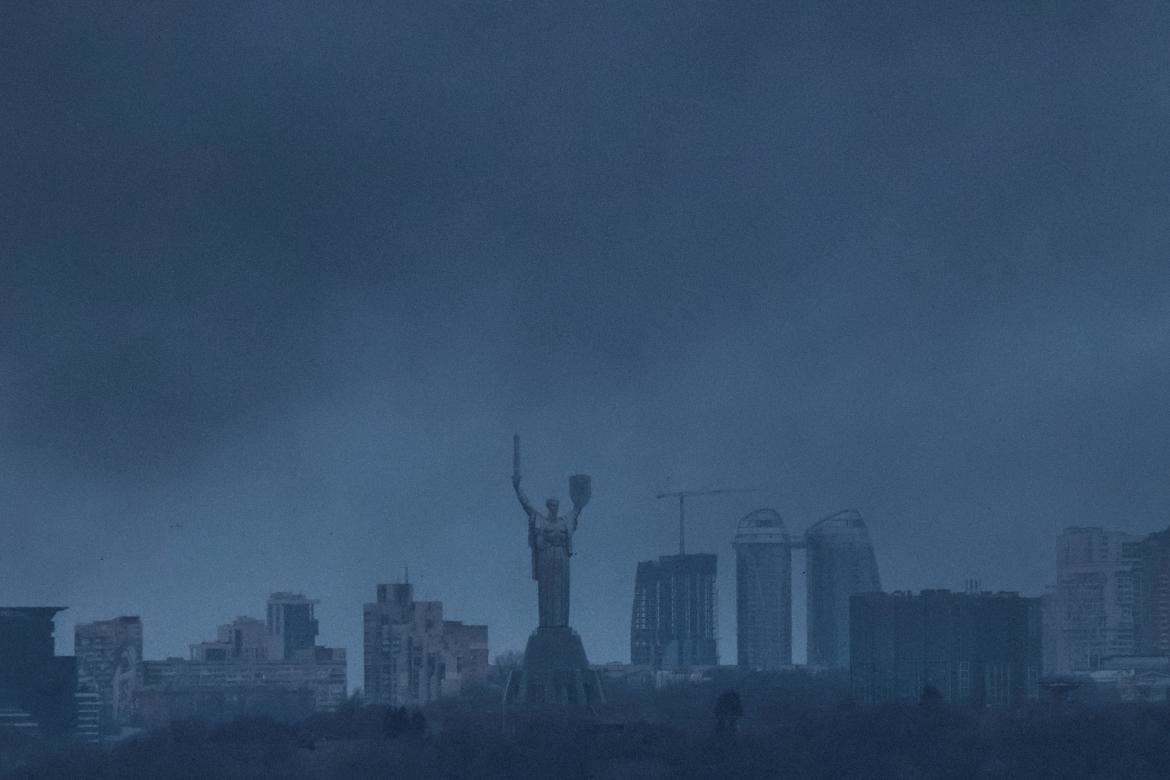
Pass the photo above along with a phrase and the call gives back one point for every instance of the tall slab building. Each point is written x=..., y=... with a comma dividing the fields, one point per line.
x=1096, y=599
x=763, y=595
x=1152, y=604
x=675, y=621
x=37, y=686
x=412, y=655
x=840, y=563
x=292, y=626
x=982, y=649
x=108, y=652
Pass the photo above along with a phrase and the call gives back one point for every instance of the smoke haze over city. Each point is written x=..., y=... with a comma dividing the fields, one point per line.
x=279, y=281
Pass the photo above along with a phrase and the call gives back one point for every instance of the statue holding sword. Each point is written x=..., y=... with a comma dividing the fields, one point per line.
x=550, y=536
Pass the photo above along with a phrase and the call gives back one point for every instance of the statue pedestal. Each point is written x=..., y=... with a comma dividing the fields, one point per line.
x=555, y=674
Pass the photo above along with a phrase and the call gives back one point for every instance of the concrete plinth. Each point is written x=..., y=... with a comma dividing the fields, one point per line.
x=555, y=674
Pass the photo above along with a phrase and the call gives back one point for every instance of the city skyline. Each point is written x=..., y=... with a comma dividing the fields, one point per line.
x=726, y=634
x=1054, y=591
x=278, y=285
x=1102, y=629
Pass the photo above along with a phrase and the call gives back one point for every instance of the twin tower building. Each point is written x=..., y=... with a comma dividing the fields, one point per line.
x=840, y=562
x=675, y=616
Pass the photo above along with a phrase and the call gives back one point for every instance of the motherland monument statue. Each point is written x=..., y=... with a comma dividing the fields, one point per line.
x=555, y=670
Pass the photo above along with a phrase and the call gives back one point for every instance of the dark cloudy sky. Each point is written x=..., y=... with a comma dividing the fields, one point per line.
x=278, y=281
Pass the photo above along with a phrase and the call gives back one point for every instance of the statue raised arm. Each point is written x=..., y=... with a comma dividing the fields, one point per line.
x=520, y=494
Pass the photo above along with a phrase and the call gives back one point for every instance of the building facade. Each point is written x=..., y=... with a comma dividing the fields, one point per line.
x=1096, y=599
x=763, y=592
x=88, y=704
x=982, y=649
x=160, y=706
x=321, y=673
x=108, y=652
x=292, y=625
x=1153, y=596
x=468, y=648
x=36, y=684
x=269, y=667
x=412, y=655
x=244, y=639
x=675, y=620
x=840, y=563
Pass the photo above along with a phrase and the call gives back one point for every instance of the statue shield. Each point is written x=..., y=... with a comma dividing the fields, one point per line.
x=580, y=488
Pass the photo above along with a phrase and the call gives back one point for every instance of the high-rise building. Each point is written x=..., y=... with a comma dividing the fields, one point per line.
x=291, y=625
x=412, y=655
x=1049, y=633
x=1097, y=581
x=35, y=683
x=840, y=563
x=1153, y=598
x=972, y=648
x=675, y=621
x=763, y=595
x=108, y=652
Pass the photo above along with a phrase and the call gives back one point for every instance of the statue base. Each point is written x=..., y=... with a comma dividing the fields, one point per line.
x=555, y=674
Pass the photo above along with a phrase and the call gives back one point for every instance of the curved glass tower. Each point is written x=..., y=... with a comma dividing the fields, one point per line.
x=763, y=598
x=840, y=563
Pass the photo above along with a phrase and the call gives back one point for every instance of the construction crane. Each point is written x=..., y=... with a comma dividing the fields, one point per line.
x=682, y=510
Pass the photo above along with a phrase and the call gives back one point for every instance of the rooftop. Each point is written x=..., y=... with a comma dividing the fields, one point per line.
x=763, y=526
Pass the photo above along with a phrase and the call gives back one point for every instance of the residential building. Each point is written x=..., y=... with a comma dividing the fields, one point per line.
x=272, y=667
x=1096, y=597
x=292, y=626
x=412, y=655
x=88, y=704
x=322, y=673
x=840, y=563
x=108, y=652
x=1153, y=598
x=160, y=706
x=244, y=639
x=468, y=648
x=982, y=649
x=763, y=593
x=37, y=686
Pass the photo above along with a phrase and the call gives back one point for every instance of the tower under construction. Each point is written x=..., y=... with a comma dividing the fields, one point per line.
x=675, y=621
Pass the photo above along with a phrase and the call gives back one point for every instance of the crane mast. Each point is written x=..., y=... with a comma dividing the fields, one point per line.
x=682, y=496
